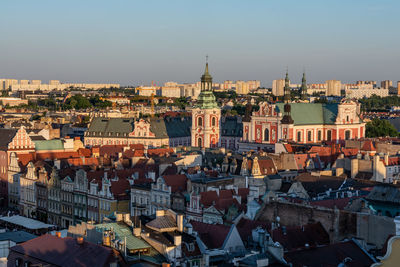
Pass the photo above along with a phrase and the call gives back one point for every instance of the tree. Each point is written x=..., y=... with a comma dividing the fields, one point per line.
x=380, y=128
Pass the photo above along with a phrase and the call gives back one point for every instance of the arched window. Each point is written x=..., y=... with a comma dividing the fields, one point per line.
x=347, y=135
x=199, y=142
x=200, y=121
x=213, y=121
x=266, y=134
x=298, y=136
x=309, y=136
x=329, y=135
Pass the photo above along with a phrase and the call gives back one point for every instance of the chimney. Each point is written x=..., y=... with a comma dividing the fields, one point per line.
x=397, y=223
x=160, y=213
x=177, y=240
x=80, y=240
x=179, y=222
x=386, y=157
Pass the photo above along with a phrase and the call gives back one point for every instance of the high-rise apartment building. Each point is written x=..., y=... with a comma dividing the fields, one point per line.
x=277, y=87
x=36, y=82
x=398, y=87
x=333, y=87
x=386, y=84
x=242, y=88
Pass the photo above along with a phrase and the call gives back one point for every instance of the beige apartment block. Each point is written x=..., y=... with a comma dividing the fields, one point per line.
x=277, y=87
x=333, y=87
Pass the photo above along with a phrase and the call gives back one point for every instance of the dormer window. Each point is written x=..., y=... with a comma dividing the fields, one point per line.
x=191, y=247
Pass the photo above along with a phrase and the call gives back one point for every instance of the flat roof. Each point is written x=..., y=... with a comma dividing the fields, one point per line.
x=26, y=222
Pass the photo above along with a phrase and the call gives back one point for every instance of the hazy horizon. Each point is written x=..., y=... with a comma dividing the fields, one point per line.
x=134, y=43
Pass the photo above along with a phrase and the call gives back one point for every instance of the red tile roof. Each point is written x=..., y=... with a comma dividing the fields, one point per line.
x=207, y=198
x=330, y=255
x=212, y=235
x=294, y=237
x=246, y=226
x=160, y=151
x=348, y=152
x=289, y=148
x=340, y=203
x=120, y=189
x=65, y=252
x=177, y=182
x=368, y=146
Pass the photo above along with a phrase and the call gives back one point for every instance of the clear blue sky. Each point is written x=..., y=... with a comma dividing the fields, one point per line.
x=134, y=42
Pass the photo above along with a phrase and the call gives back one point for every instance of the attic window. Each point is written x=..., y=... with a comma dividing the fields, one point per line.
x=125, y=120
x=191, y=247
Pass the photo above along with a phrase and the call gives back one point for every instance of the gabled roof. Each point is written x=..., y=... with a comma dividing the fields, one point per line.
x=246, y=226
x=65, y=252
x=177, y=182
x=212, y=235
x=368, y=146
x=6, y=136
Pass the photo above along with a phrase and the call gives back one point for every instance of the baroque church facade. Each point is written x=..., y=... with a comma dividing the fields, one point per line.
x=303, y=122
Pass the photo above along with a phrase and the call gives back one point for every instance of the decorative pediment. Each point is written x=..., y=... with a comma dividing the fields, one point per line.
x=142, y=129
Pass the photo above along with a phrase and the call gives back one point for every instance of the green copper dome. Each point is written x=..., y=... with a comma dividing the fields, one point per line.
x=206, y=100
x=206, y=97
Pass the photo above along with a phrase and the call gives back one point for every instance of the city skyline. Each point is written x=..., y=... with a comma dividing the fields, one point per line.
x=135, y=43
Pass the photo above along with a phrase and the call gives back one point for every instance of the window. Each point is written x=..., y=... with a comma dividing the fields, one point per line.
x=213, y=121
x=347, y=118
x=347, y=135
x=200, y=121
x=299, y=136
x=199, y=142
x=319, y=135
x=329, y=135
x=309, y=136
x=18, y=262
x=266, y=134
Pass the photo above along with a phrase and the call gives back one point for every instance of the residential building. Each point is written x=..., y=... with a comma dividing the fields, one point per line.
x=333, y=88
x=141, y=199
x=366, y=93
x=277, y=87
x=242, y=88
x=48, y=250
x=27, y=201
x=386, y=84
x=165, y=192
x=153, y=132
x=67, y=202
x=9, y=239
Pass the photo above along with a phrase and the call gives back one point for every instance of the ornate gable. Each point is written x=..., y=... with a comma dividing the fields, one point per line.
x=21, y=140
x=142, y=129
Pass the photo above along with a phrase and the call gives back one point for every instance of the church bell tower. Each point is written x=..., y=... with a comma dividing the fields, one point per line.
x=206, y=116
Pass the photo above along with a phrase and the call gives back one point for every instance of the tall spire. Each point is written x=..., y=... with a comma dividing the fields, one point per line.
x=303, y=88
x=287, y=117
x=286, y=89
